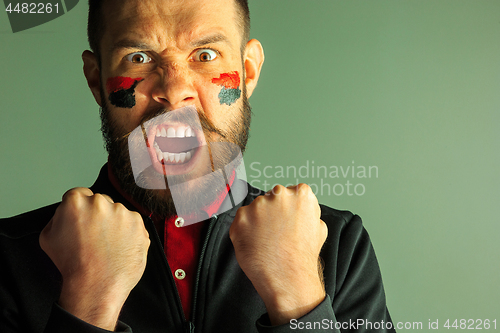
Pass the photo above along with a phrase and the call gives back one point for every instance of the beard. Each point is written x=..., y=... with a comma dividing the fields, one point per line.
x=160, y=202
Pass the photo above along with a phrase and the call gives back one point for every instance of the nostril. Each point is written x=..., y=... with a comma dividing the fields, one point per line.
x=175, y=92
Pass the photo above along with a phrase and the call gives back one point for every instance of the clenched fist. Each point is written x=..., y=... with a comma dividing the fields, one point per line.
x=277, y=240
x=100, y=248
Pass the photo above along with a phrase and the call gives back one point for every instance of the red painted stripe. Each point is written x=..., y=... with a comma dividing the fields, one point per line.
x=229, y=80
x=119, y=82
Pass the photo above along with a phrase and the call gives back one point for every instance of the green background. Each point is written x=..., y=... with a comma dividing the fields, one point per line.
x=411, y=87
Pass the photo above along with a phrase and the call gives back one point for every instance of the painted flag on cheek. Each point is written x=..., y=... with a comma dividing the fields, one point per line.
x=121, y=91
x=230, y=91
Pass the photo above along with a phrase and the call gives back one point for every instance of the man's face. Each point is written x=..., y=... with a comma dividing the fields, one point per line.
x=162, y=55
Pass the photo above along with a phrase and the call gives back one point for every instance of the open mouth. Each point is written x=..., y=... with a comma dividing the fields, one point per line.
x=175, y=145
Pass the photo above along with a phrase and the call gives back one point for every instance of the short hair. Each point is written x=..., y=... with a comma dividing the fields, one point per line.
x=96, y=27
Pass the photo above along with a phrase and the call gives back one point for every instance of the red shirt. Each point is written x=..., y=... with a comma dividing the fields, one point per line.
x=182, y=245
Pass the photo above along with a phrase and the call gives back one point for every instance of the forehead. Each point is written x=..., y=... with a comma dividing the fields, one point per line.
x=164, y=21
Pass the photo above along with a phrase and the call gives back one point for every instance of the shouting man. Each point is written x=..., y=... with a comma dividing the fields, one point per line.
x=170, y=238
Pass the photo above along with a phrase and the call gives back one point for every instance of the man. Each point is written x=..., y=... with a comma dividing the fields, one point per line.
x=117, y=256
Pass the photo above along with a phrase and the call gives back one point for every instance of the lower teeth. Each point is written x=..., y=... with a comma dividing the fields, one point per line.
x=173, y=158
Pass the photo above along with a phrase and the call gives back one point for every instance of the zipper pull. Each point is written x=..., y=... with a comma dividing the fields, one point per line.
x=189, y=327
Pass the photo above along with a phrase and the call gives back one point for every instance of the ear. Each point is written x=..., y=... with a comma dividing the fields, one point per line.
x=253, y=59
x=92, y=73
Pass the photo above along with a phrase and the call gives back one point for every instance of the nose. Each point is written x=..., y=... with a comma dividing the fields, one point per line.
x=175, y=87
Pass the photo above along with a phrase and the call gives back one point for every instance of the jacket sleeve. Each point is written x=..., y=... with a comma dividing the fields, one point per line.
x=319, y=319
x=61, y=321
x=355, y=300
x=30, y=282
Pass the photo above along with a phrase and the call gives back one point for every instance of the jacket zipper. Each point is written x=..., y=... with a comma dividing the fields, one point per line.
x=211, y=225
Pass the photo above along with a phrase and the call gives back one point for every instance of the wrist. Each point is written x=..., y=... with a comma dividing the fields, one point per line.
x=293, y=304
x=92, y=305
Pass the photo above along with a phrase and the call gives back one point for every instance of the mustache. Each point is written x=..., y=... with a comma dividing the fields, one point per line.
x=206, y=124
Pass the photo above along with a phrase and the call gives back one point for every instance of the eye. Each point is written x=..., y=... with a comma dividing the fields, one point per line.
x=205, y=55
x=138, y=58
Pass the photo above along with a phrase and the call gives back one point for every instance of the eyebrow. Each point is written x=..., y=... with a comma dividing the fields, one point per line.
x=129, y=44
x=211, y=39
x=205, y=40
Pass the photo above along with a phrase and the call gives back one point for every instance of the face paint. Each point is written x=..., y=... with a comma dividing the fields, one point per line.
x=121, y=91
x=230, y=91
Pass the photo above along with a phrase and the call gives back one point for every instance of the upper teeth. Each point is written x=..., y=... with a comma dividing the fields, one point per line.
x=170, y=132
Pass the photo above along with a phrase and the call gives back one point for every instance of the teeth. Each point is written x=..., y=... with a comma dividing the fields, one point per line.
x=173, y=157
x=159, y=154
x=180, y=132
x=170, y=132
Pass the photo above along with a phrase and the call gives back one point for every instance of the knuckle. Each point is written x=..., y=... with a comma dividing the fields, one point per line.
x=71, y=203
x=42, y=240
x=99, y=201
x=77, y=192
x=136, y=218
x=119, y=207
x=243, y=212
x=146, y=234
x=325, y=230
x=135, y=215
x=304, y=188
x=255, y=204
x=71, y=195
x=231, y=232
x=98, y=197
x=147, y=243
x=108, y=198
x=122, y=212
x=277, y=189
x=256, y=201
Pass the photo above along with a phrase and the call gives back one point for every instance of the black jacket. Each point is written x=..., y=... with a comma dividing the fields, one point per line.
x=225, y=300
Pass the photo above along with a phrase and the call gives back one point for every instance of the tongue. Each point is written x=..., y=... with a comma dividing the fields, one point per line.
x=176, y=145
